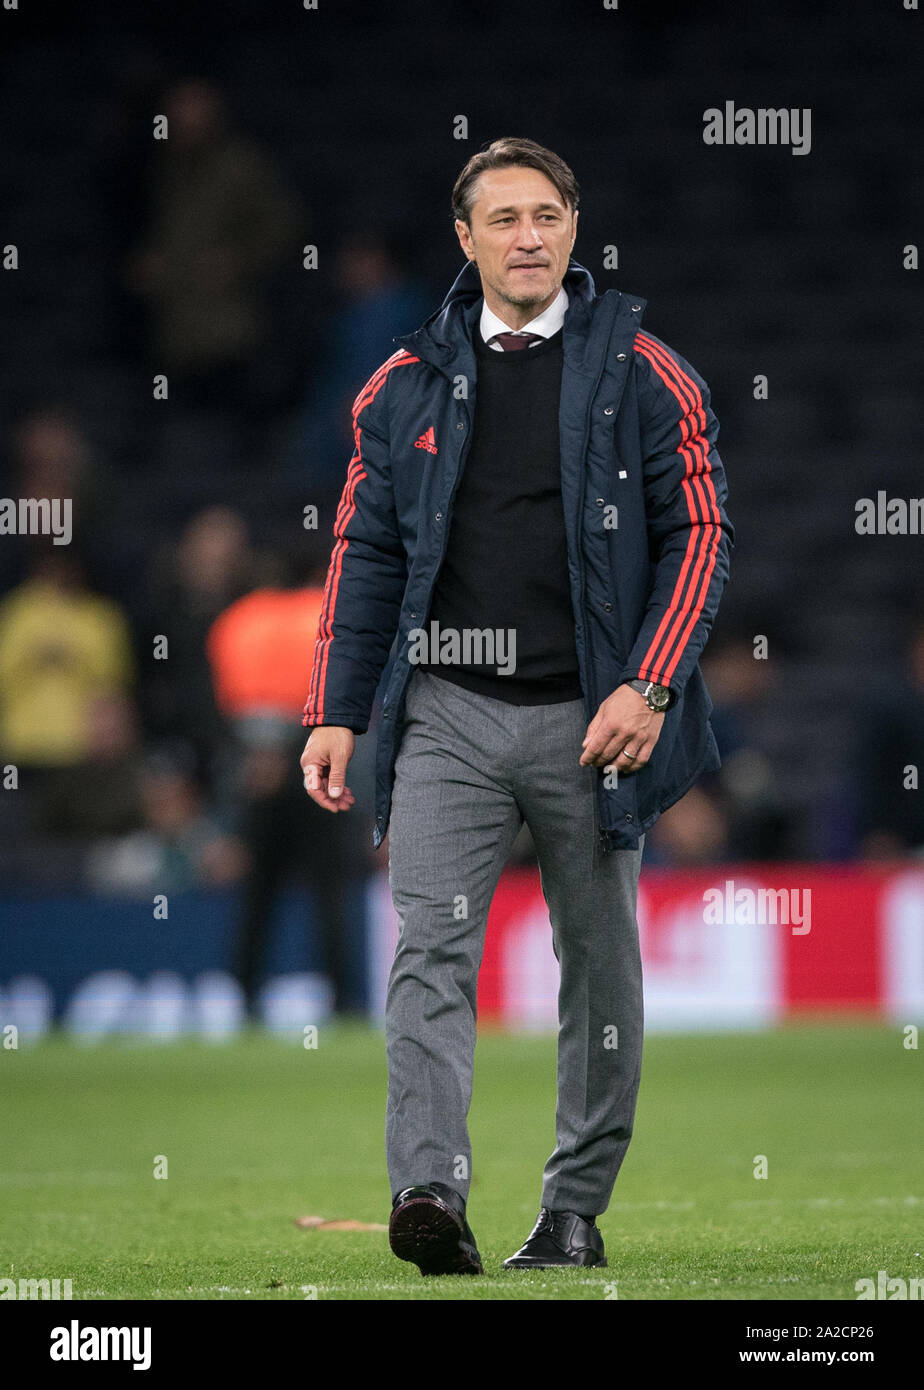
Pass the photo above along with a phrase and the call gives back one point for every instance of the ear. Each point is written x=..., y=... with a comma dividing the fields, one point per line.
x=465, y=238
x=574, y=228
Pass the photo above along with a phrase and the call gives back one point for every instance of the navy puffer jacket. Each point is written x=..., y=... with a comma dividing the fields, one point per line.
x=648, y=538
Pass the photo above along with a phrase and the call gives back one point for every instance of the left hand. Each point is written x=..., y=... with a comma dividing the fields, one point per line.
x=623, y=732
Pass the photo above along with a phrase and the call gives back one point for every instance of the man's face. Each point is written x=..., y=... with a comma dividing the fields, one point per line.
x=520, y=238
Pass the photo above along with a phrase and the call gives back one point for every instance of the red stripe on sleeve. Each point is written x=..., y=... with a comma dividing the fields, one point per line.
x=702, y=504
x=314, y=707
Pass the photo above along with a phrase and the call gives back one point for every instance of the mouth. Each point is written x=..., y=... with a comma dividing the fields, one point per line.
x=532, y=265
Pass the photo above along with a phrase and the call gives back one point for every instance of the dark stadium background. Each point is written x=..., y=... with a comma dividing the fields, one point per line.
x=154, y=833
x=754, y=261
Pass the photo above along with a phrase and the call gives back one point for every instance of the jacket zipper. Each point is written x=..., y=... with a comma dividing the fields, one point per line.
x=602, y=833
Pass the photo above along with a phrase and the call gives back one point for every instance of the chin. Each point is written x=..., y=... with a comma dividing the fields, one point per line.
x=523, y=301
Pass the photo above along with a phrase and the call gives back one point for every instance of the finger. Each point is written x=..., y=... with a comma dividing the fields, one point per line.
x=595, y=745
x=610, y=751
x=336, y=778
x=323, y=799
x=619, y=761
x=316, y=784
x=320, y=797
x=593, y=728
x=634, y=760
x=318, y=778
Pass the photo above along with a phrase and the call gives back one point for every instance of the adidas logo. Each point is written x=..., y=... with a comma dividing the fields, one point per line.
x=427, y=441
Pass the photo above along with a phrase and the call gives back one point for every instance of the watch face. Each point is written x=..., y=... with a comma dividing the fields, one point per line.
x=659, y=696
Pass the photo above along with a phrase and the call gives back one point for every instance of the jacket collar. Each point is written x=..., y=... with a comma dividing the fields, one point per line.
x=445, y=338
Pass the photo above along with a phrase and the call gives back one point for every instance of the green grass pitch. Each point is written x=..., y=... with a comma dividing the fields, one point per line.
x=258, y=1132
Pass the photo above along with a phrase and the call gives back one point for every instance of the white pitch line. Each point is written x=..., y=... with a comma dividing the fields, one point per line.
x=824, y=1201
x=639, y=1290
x=114, y=1178
x=82, y=1179
x=480, y=1282
x=654, y=1206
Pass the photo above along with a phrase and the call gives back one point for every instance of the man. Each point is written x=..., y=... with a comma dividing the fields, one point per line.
x=537, y=477
x=222, y=222
x=259, y=650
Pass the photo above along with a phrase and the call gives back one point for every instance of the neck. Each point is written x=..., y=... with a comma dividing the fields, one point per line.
x=517, y=315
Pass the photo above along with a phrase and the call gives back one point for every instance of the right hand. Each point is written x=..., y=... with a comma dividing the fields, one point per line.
x=324, y=764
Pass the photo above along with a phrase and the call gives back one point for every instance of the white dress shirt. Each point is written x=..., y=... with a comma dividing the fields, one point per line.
x=545, y=324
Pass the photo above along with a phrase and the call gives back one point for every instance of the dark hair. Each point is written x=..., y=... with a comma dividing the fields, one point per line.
x=504, y=154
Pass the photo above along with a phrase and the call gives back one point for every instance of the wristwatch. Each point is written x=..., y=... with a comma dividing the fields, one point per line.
x=657, y=697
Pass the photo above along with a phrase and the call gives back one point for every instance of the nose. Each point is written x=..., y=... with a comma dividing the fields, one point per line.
x=529, y=237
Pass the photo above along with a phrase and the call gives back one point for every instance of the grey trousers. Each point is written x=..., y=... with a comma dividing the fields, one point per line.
x=469, y=771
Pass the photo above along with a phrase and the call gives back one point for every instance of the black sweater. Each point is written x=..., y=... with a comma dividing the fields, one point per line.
x=506, y=561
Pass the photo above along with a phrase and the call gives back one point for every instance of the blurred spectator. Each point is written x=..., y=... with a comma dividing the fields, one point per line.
x=61, y=647
x=890, y=741
x=50, y=456
x=377, y=300
x=53, y=457
x=191, y=582
x=693, y=831
x=101, y=795
x=261, y=650
x=179, y=846
x=743, y=690
x=221, y=223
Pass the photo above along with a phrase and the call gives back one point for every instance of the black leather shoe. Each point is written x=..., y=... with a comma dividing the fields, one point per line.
x=559, y=1238
x=428, y=1227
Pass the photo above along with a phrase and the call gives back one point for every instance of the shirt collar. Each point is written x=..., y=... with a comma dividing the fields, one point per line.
x=545, y=324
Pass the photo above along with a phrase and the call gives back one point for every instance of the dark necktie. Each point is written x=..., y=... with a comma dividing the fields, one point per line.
x=513, y=342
